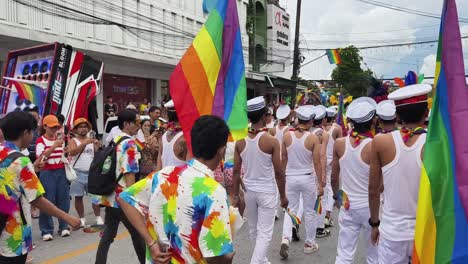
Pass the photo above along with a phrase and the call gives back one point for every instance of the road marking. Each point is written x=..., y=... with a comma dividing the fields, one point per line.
x=81, y=251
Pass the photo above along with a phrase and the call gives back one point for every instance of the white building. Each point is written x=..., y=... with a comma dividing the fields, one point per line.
x=140, y=41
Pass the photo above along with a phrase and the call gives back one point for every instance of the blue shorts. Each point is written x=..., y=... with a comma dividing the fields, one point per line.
x=79, y=187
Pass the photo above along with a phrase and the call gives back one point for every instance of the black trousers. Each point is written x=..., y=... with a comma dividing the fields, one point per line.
x=13, y=260
x=112, y=220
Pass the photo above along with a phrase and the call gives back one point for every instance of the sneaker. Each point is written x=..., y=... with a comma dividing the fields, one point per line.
x=65, y=233
x=310, y=248
x=99, y=220
x=47, y=237
x=322, y=232
x=29, y=259
x=329, y=222
x=295, y=233
x=284, y=251
x=82, y=222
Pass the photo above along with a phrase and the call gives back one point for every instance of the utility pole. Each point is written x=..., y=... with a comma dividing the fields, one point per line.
x=296, y=59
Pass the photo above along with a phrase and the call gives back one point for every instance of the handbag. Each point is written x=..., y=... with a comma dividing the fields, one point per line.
x=69, y=169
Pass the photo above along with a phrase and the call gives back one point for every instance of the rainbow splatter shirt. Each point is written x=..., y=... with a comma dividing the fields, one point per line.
x=127, y=155
x=17, y=180
x=188, y=210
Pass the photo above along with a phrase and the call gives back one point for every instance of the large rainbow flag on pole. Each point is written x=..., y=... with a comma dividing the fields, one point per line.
x=29, y=91
x=341, y=118
x=210, y=77
x=441, y=234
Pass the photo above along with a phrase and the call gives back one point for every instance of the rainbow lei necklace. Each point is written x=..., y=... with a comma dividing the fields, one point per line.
x=358, y=137
x=256, y=131
x=408, y=133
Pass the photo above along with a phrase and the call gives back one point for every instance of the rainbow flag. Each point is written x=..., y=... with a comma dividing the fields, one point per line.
x=295, y=220
x=441, y=234
x=334, y=56
x=210, y=77
x=318, y=205
x=209, y=5
x=341, y=117
x=31, y=92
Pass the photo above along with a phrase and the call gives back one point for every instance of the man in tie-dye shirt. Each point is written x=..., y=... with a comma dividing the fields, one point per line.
x=19, y=188
x=186, y=210
x=127, y=157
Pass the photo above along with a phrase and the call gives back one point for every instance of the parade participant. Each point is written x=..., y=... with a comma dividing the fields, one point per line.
x=49, y=148
x=350, y=165
x=259, y=154
x=126, y=169
x=172, y=145
x=199, y=230
x=301, y=149
x=155, y=114
x=396, y=161
x=81, y=151
x=149, y=155
x=19, y=189
x=387, y=117
x=115, y=131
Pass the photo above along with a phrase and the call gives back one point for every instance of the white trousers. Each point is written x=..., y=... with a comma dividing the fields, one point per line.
x=395, y=252
x=260, y=213
x=327, y=196
x=296, y=187
x=351, y=223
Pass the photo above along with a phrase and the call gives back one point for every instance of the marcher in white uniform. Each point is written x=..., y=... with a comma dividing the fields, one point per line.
x=396, y=161
x=301, y=150
x=350, y=164
x=259, y=154
x=173, y=148
x=386, y=111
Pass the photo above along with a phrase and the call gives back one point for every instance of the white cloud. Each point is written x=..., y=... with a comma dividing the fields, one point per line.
x=429, y=65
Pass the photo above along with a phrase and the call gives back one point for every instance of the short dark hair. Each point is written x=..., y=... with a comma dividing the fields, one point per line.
x=318, y=122
x=330, y=119
x=387, y=122
x=302, y=122
x=172, y=116
x=60, y=118
x=153, y=108
x=256, y=116
x=363, y=127
x=126, y=116
x=209, y=133
x=412, y=113
x=108, y=97
x=15, y=123
x=33, y=109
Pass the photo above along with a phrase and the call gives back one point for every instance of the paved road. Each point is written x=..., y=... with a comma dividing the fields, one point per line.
x=81, y=248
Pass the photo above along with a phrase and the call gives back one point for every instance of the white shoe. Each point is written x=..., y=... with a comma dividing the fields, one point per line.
x=310, y=248
x=47, y=237
x=99, y=220
x=82, y=222
x=65, y=233
x=284, y=251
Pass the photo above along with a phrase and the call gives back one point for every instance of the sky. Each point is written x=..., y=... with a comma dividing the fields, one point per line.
x=340, y=23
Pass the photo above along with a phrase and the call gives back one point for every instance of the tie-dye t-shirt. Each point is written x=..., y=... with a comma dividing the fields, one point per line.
x=188, y=210
x=17, y=180
x=127, y=155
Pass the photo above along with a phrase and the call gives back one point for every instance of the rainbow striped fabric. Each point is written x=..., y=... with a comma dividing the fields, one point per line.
x=295, y=220
x=318, y=205
x=341, y=118
x=441, y=234
x=334, y=56
x=210, y=77
x=33, y=93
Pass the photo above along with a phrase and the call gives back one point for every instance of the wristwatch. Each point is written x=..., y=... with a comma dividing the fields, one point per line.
x=377, y=224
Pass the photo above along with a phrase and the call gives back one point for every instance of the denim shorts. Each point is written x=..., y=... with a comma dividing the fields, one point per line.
x=79, y=187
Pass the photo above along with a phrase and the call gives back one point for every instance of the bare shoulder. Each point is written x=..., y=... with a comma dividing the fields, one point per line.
x=272, y=131
x=381, y=140
x=240, y=145
x=268, y=143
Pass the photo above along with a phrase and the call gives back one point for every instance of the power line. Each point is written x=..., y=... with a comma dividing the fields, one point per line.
x=363, y=33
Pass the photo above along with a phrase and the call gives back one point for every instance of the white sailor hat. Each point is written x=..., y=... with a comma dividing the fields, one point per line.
x=320, y=112
x=411, y=94
x=331, y=112
x=305, y=113
x=361, y=110
x=283, y=111
x=169, y=104
x=386, y=110
x=256, y=104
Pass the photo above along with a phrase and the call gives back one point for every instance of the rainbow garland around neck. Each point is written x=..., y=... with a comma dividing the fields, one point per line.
x=256, y=131
x=408, y=132
x=358, y=136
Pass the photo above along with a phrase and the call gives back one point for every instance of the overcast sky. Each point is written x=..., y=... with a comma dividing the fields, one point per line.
x=339, y=23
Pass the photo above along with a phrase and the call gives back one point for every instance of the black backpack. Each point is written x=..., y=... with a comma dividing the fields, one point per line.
x=4, y=217
x=102, y=179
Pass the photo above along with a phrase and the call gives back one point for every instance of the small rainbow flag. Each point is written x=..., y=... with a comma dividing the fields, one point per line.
x=140, y=145
x=318, y=205
x=210, y=77
x=343, y=200
x=334, y=56
x=295, y=220
x=33, y=93
x=441, y=233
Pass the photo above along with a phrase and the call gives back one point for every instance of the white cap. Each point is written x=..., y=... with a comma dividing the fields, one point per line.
x=411, y=94
x=331, y=112
x=361, y=110
x=386, y=110
x=320, y=112
x=256, y=104
x=283, y=111
x=169, y=104
x=305, y=113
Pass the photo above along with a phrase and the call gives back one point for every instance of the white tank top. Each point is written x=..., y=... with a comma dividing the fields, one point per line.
x=280, y=134
x=168, y=157
x=85, y=159
x=300, y=162
x=354, y=175
x=259, y=175
x=401, y=188
x=330, y=145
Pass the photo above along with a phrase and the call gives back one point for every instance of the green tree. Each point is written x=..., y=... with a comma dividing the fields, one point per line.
x=348, y=73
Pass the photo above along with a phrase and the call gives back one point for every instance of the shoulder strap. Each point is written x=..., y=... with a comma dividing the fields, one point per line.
x=120, y=140
x=79, y=155
x=16, y=155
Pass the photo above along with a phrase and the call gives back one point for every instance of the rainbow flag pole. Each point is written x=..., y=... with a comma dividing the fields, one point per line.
x=441, y=234
x=210, y=77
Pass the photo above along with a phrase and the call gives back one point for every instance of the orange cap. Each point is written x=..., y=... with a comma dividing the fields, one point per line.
x=50, y=121
x=81, y=120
